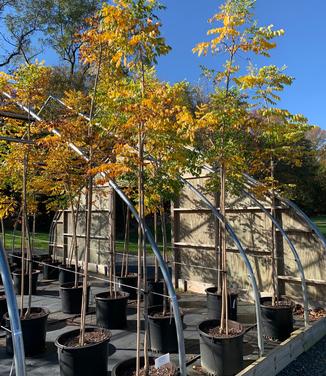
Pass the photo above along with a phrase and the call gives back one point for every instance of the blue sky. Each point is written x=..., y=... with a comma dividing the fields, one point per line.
x=302, y=49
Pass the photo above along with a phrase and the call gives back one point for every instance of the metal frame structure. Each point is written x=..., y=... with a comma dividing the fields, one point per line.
x=4, y=269
x=15, y=326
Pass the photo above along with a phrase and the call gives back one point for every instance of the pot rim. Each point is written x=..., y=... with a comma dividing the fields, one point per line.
x=288, y=306
x=65, y=286
x=221, y=338
x=123, y=295
x=129, y=275
x=163, y=317
x=87, y=329
x=216, y=294
x=45, y=312
x=18, y=272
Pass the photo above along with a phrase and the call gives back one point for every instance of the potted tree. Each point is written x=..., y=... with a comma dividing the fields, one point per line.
x=29, y=84
x=133, y=43
x=166, y=137
x=224, y=130
x=85, y=351
x=278, y=141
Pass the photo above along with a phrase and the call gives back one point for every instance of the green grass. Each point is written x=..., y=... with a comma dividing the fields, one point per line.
x=41, y=241
x=320, y=221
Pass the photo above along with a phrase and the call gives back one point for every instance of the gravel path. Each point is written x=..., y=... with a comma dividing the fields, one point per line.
x=310, y=363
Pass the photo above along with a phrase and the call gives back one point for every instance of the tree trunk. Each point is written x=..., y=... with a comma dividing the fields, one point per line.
x=275, y=296
x=164, y=239
x=224, y=310
x=156, y=241
x=86, y=260
x=125, y=259
x=3, y=234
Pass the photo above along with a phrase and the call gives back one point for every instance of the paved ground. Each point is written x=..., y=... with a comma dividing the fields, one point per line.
x=310, y=363
x=122, y=344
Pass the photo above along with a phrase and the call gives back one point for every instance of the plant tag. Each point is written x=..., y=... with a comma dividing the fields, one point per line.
x=162, y=360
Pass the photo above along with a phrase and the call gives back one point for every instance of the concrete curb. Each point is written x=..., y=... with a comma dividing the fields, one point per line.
x=300, y=341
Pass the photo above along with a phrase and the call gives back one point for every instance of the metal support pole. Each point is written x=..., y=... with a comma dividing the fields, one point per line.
x=245, y=259
x=16, y=332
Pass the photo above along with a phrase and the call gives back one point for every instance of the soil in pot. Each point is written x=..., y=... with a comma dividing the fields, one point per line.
x=51, y=270
x=162, y=330
x=277, y=319
x=155, y=292
x=33, y=329
x=214, y=304
x=128, y=368
x=71, y=298
x=67, y=274
x=17, y=277
x=111, y=310
x=221, y=354
x=128, y=284
x=90, y=359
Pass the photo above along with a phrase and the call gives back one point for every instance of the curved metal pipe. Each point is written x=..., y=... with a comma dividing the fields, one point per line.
x=167, y=278
x=15, y=326
x=157, y=253
x=244, y=258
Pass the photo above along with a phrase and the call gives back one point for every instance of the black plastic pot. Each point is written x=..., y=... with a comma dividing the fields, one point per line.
x=15, y=258
x=88, y=360
x=111, y=312
x=155, y=288
x=51, y=270
x=221, y=356
x=67, y=274
x=17, y=278
x=128, y=366
x=128, y=284
x=214, y=304
x=162, y=331
x=277, y=320
x=33, y=329
x=71, y=298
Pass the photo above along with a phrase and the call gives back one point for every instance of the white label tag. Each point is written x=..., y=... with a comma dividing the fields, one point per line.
x=162, y=360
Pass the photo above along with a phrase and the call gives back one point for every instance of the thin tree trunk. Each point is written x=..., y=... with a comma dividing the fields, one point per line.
x=124, y=270
x=224, y=310
x=140, y=241
x=30, y=268
x=22, y=285
x=89, y=209
x=86, y=260
x=3, y=234
x=15, y=228
x=156, y=241
x=275, y=296
x=33, y=230
x=164, y=240
x=112, y=244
